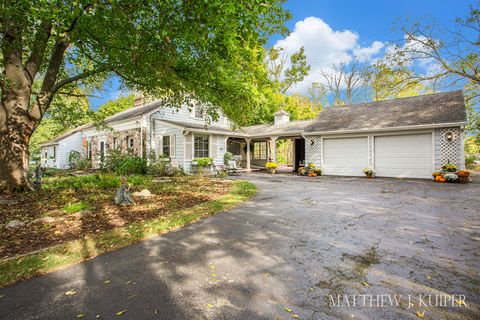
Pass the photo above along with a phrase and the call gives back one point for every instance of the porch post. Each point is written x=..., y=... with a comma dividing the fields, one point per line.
x=273, y=149
x=248, y=152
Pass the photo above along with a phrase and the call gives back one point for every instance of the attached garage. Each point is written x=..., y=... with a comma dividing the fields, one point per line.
x=403, y=156
x=345, y=156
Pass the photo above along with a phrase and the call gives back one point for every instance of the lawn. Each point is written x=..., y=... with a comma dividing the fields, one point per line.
x=86, y=222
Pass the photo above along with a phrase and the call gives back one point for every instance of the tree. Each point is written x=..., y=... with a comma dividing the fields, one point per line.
x=210, y=50
x=286, y=75
x=454, y=57
x=388, y=81
x=347, y=82
x=112, y=107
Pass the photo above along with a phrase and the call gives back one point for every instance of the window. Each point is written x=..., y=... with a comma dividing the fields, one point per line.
x=260, y=150
x=130, y=142
x=115, y=143
x=89, y=150
x=166, y=146
x=200, y=147
x=198, y=112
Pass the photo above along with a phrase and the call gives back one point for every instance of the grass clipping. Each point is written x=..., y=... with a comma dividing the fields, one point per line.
x=92, y=245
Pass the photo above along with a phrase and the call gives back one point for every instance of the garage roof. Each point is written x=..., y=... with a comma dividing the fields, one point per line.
x=429, y=109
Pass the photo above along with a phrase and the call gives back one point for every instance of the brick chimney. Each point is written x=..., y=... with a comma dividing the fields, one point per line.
x=138, y=102
x=281, y=116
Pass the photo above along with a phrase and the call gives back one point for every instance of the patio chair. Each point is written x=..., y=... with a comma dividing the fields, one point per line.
x=232, y=169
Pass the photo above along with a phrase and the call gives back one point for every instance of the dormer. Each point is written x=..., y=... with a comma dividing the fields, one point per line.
x=281, y=117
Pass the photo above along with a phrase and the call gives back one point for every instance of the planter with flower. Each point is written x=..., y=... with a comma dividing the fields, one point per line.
x=436, y=174
x=369, y=173
x=271, y=167
x=463, y=176
x=450, y=177
x=449, y=168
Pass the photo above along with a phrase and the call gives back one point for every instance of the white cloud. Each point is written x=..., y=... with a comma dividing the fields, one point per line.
x=324, y=47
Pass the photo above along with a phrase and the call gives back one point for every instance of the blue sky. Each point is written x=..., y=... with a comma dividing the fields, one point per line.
x=332, y=31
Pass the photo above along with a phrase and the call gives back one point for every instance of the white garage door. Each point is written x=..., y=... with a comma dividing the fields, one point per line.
x=408, y=156
x=345, y=156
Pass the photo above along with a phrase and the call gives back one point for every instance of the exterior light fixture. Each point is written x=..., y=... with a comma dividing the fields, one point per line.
x=449, y=136
x=312, y=142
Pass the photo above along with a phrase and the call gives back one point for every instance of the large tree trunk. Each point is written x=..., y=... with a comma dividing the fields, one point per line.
x=15, y=133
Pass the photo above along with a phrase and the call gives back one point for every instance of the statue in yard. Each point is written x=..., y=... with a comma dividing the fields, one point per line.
x=37, y=178
x=122, y=197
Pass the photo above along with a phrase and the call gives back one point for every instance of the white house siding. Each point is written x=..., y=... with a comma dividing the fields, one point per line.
x=185, y=115
x=65, y=146
x=160, y=130
x=49, y=161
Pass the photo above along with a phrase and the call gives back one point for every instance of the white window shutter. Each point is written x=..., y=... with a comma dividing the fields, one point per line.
x=172, y=146
x=158, y=146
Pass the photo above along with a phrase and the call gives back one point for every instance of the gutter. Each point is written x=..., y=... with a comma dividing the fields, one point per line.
x=426, y=126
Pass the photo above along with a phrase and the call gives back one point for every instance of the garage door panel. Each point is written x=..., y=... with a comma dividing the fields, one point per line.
x=404, y=155
x=345, y=156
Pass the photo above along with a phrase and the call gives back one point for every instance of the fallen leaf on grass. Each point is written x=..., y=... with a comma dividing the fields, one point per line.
x=429, y=278
x=209, y=306
x=80, y=316
x=211, y=266
x=460, y=302
x=295, y=316
x=366, y=284
x=214, y=274
x=287, y=309
x=420, y=314
x=70, y=293
x=106, y=281
x=128, y=282
x=119, y=313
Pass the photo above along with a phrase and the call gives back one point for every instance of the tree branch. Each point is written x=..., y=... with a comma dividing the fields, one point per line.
x=38, y=50
x=77, y=77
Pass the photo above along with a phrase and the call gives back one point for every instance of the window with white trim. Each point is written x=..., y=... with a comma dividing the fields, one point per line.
x=130, y=142
x=260, y=150
x=200, y=147
x=166, y=146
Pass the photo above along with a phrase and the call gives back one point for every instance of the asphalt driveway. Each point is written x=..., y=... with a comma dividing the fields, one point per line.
x=298, y=244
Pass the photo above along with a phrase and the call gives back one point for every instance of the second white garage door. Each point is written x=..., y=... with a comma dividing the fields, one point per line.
x=408, y=156
x=345, y=156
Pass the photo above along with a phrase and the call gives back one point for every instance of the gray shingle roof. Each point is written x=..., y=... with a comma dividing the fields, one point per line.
x=438, y=108
x=295, y=126
x=198, y=126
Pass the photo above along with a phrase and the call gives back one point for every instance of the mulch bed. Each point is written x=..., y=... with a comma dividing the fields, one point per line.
x=101, y=215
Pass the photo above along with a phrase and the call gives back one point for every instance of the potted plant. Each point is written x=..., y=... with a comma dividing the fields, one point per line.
x=203, y=163
x=369, y=173
x=271, y=167
x=318, y=171
x=451, y=177
x=435, y=174
x=310, y=168
x=448, y=167
x=463, y=176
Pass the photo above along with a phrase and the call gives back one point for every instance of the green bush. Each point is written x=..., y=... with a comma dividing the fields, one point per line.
x=75, y=207
x=73, y=158
x=203, y=162
x=228, y=156
x=161, y=168
x=84, y=164
x=469, y=160
x=124, y=164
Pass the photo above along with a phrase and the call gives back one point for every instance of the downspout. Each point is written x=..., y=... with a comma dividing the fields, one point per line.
x=141, y=136
x=185, y=133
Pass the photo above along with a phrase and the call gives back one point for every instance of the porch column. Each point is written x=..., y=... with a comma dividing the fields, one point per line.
x=248, y=152
x=273, y=149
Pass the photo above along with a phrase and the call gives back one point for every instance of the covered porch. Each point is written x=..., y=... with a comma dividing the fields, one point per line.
x=254, y=152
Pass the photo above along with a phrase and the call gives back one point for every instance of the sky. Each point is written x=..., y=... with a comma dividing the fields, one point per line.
x=333, y=31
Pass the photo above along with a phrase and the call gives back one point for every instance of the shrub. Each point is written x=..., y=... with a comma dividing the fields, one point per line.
x=161, y=168
x=369, y=171
x=469, y=160
x=84, y=164
x=228, y=156
x=73, y=158
x=203, y=162
x=124, y=164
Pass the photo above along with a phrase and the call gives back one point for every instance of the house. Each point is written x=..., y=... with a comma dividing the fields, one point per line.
x=407, y=137
x=55, y=153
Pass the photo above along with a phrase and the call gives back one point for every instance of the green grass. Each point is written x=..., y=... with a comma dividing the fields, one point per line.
x=75, y=207
x=72, y=252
